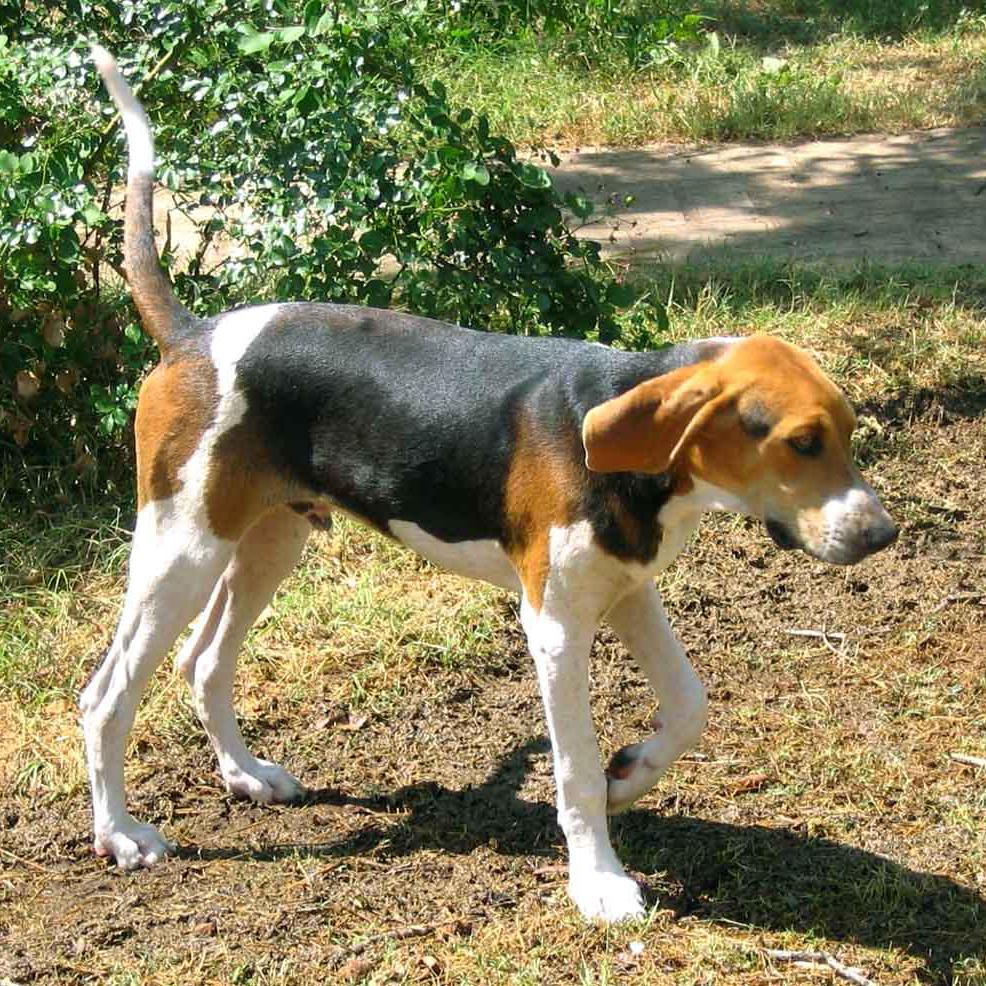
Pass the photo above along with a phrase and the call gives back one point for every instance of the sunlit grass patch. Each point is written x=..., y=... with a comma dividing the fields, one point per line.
x=876, y=329
x=729, y=86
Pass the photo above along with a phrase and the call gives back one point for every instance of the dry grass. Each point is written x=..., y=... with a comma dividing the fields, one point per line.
x=821, y=810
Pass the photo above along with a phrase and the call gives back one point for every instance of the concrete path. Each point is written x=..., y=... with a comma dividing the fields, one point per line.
x=914, y=197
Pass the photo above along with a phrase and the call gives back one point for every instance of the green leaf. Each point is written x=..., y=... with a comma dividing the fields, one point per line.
x=8, y=162
x=620, y=295
x=373, y=241
x=579, y=205
x=254, y=43
x=288, y=35
x=378, y=293
x=92, y=214
x=325, y=24
x=477, y=172
x=534, y=177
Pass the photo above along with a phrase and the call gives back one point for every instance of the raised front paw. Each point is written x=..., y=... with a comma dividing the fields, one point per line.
x=263, y=781
x=631, y=773
x=132, y=844
x=608, y=897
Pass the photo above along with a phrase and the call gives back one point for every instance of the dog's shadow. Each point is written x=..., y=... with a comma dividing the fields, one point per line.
x=770, y=878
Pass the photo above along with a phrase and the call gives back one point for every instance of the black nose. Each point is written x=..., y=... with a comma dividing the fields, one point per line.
x=881, y=534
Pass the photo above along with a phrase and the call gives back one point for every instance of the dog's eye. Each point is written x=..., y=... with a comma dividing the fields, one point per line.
x=810, y=445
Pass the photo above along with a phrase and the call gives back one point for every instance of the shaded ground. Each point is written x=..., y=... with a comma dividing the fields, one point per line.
x=917, y=197
x=911, y=198
x=822, y=806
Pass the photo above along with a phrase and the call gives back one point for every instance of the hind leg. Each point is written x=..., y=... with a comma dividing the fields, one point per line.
x=174, y=564
x=263, y=557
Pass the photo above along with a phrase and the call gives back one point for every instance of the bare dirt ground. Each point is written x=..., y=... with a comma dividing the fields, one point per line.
x=918, y=197
x=905, y=198
x=822, y=808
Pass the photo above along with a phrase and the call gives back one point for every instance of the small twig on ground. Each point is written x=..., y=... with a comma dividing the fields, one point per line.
x=396, y=934
x=819, y=634
x=959, y=597
x=826, y=637
x=820, y=958
x=25, y=862
x=968, y=759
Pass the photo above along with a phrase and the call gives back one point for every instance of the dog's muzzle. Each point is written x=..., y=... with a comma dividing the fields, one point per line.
x=847, y=539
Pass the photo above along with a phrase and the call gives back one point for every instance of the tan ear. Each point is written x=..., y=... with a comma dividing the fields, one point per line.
x=647, y=428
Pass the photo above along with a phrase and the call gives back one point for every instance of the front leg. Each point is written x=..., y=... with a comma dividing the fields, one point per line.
x=642, y=625
x=560, y=638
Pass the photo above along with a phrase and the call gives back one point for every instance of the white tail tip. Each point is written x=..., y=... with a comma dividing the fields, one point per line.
x=104, y=61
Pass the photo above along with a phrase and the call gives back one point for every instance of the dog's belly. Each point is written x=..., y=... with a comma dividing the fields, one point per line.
x=484, y=559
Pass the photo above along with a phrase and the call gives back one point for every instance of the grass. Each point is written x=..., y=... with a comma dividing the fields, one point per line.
x=767, y=71
x=821, y=809
x=902, y=330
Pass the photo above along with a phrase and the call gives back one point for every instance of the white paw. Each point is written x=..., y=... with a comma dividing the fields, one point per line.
x=263, y=781
x=132, y=844
x=608, y=897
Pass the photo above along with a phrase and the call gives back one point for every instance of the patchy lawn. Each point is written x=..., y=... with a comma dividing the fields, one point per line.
x=762, y=71
x=823, y=809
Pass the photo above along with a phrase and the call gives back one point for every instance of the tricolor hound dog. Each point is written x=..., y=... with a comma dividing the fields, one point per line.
x=568, y=472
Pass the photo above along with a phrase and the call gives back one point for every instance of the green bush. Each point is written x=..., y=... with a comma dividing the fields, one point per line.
x=331, y=171
x=610, y=34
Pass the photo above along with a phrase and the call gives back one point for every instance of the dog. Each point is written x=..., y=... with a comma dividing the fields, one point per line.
x=566, y=471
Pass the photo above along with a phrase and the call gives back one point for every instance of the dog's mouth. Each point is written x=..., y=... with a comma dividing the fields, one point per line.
x=837, y=548
x=784, y=538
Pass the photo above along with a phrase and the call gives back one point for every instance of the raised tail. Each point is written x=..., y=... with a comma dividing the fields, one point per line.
x=162, y=314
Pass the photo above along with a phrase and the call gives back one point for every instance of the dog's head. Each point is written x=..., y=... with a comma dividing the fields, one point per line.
x=767, y=429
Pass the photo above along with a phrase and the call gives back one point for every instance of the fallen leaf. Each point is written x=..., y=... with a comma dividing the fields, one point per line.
x=28, y=385
x=53, y=330
x=749, y=783
x=65, y=380
x=355, y=968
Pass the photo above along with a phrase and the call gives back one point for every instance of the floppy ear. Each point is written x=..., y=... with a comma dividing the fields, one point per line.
x=645, y=429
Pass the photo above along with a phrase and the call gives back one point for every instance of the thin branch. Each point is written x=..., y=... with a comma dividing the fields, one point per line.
x=968, y=759
x=959, y=597
x=826, y=637
x=25, y=862
x=820, y=634
x=397, y=934
x=820, y=958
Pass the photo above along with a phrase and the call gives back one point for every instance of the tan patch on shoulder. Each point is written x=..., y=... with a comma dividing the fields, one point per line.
x=177, y=404
x=542, y=492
